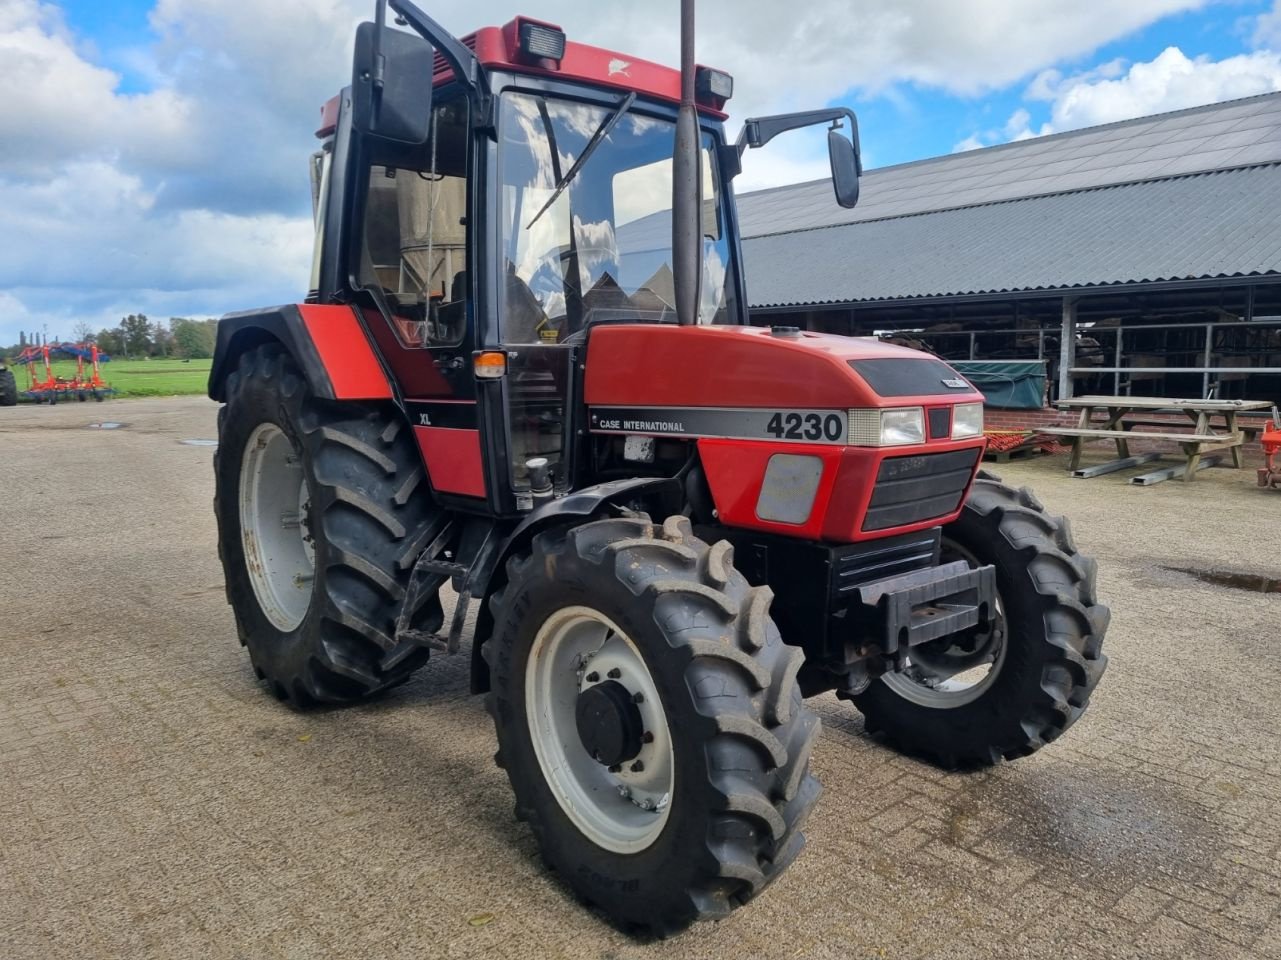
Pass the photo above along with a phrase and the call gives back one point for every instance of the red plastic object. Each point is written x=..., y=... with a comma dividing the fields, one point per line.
x=1270, y=473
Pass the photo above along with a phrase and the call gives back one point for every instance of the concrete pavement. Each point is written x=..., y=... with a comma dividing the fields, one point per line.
x=156, y=802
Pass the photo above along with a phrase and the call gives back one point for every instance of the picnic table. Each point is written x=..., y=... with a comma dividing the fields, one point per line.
x=1202, y=437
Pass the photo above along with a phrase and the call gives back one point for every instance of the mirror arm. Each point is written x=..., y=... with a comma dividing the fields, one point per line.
x=758, y=131
x=464, y=63
x=377, y=79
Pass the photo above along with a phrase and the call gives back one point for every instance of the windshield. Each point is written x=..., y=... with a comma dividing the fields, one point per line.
x=602, y=248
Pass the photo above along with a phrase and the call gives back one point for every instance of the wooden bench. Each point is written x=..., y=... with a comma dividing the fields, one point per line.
x=1250, y=429
x=1136, y=434
x=1199, y=438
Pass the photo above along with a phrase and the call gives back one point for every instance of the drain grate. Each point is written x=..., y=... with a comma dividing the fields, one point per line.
x=1251, y=582
x=106, y=425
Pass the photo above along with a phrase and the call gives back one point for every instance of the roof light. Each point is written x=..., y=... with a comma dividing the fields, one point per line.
x=541, y=41
x=712, y=87
x=489, y=364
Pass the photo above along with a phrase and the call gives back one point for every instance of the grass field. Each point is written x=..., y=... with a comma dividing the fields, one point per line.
x=138, y=378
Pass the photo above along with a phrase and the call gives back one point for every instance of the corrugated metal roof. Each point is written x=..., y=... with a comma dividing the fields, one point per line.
x=1217, y=137
x=1208, y=225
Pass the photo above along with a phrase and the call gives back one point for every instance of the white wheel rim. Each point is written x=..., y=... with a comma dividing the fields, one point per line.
x=955, y=691
x=275, y=527
x=966, y=686
x=620, y=809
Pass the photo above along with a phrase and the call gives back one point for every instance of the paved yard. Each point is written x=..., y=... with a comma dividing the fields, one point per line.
x=154, y=802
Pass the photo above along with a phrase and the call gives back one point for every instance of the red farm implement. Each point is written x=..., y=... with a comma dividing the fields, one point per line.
x=1270, y=472
x=44, y=387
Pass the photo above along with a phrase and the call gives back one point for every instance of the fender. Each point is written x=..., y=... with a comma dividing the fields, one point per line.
x=577, y=507
x=327, y=342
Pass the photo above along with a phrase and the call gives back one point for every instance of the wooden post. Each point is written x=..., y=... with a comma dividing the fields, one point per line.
x=1067, y=348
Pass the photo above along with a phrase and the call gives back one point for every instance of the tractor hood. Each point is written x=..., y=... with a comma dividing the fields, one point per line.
x=735, y=366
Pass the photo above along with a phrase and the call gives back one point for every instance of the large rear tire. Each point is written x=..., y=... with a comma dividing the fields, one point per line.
x=322, y=509
x=8, y=388
x=1044, y=655
x=705, y=809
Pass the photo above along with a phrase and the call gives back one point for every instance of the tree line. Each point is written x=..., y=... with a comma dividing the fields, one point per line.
x=136, y=336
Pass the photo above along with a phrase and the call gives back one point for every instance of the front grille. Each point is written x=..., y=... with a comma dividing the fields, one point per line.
x=877, y=559
x=912, y=489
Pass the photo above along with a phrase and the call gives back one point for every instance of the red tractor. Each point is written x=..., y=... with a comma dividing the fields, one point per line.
x=524, y=371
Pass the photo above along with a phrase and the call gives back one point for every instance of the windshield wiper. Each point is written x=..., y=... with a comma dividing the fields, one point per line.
x=601, y=133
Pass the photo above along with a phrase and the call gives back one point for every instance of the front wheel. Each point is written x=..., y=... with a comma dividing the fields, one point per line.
x=649, y=720
x=1009, y=688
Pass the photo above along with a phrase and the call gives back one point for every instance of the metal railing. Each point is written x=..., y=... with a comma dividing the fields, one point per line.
x=1207, y=350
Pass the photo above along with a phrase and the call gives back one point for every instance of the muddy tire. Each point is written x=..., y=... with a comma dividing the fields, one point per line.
x=729, y=721
x=8, y=388
x=318, y=619
x=1052, y=629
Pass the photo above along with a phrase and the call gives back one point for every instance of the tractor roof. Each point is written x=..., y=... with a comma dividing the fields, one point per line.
x=498, y=48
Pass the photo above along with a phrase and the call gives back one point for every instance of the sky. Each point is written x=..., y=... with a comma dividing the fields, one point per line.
x=153, y=153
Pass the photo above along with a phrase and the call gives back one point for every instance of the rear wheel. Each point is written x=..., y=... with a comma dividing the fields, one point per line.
x=322, y=510
x=8, y=388
x=1005, y=691
x=649, y=720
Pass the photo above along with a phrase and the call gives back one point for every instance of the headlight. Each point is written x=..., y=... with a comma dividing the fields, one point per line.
x=887, y=428
x=967, y=420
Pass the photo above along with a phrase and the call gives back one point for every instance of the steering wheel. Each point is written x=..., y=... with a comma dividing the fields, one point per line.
x=555, y=263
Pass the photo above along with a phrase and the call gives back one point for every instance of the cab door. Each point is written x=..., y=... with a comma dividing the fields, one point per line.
x=418, y=291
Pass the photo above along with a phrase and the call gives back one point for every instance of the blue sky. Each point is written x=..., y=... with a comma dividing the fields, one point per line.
x=154, y=156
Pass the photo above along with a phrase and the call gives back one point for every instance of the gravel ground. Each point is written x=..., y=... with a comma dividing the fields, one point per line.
x=155, y=802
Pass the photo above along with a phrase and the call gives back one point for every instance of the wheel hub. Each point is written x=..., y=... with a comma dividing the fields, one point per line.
x=599, y=730
x=609, y=723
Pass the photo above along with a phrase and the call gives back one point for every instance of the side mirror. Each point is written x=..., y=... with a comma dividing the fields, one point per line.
x=843, y=152
x=391, y=80
x=846, y=167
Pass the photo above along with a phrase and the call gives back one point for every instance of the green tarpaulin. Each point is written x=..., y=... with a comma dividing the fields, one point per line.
x=1015, y=384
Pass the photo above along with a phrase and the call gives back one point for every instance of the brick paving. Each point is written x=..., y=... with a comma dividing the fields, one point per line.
x=155, y=802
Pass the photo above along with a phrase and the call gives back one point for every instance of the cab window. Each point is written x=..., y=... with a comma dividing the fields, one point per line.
x=414, y=249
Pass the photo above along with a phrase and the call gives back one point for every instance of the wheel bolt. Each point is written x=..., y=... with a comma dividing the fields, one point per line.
x=638, y=766
x=592, y=677
x=614, y=674
x=638, y=698
x=647, y=737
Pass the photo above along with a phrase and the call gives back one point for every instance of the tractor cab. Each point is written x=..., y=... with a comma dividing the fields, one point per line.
x=496, y=199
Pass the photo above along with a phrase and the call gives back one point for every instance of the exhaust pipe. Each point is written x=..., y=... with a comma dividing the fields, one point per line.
x=687, y=186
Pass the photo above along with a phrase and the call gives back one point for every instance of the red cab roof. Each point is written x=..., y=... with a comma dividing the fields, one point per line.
x=497, y=48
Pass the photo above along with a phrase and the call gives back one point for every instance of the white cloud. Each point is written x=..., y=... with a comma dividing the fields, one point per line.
x=1267, y=28
x=1171, y=81
x=15, y=317
x=1019, y=127
x=1118, y=91
x=104, y=250
x=54, y=105
x=784, y=163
